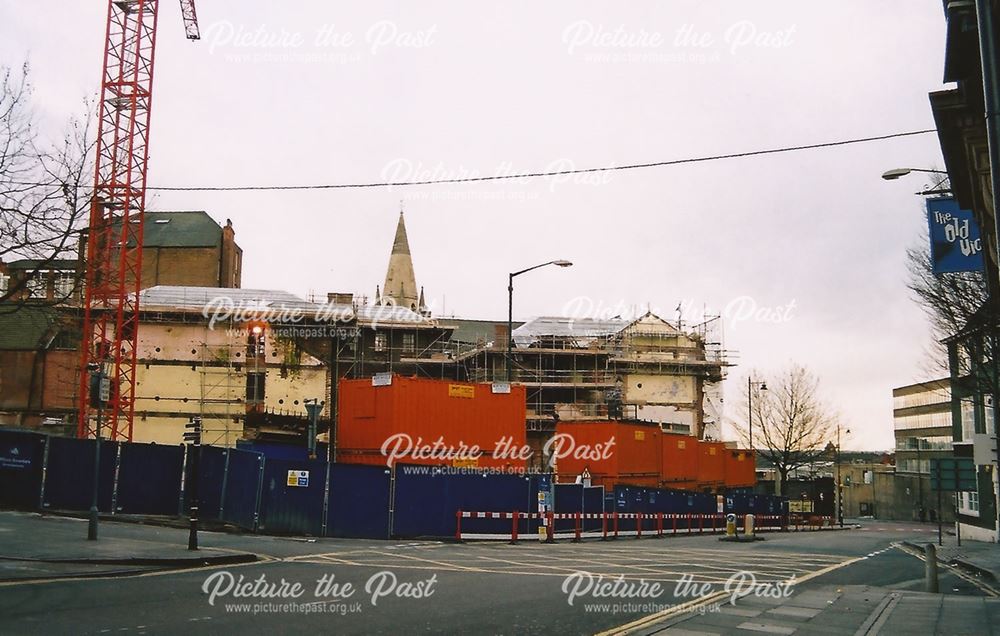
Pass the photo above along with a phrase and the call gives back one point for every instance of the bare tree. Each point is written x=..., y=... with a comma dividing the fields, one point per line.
x=45, y=187
x=791, y=424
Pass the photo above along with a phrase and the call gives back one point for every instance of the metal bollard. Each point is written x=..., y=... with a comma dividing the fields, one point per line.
x=931, y=570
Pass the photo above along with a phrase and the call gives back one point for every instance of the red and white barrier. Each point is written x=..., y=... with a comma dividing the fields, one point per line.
x=662, y=524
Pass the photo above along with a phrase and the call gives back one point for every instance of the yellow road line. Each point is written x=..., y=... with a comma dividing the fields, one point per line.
x=139, y=574
x=697, y=603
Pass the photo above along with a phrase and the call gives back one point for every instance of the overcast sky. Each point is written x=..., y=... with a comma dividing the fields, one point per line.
x=812, y=243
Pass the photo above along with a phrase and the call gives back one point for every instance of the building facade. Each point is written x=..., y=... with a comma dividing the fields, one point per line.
x=923, y=430
x=960, y=115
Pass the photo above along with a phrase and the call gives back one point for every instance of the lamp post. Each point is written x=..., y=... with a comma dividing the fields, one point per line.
x=98, y=394
x=840, y=485
x=920, y=482
x=896, y=173
x=750, y=387
x=510, y=308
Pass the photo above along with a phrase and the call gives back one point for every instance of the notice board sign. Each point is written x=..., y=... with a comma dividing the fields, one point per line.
x=467, y=391
x=298, y=478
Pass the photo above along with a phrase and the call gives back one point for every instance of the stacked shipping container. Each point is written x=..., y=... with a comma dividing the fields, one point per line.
x=430, y=422
x=392, y=419
x=643, y=455
x=632, y=457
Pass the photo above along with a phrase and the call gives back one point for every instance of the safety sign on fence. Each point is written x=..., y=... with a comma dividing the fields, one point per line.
x=298, y=478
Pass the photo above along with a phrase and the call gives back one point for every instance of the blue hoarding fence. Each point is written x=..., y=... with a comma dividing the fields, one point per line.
x=359, y=502
x=68, y=474
x=149, y=479
x=292, y=495
x=22, y=469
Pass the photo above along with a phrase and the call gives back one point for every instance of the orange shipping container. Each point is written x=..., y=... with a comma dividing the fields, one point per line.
x=740, y=469
x=680, y=459
x=431, y=422
x=712, y=463
x=612, y=452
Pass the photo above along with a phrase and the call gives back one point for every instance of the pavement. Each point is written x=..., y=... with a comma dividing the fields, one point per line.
x=41, y=547
x=855, y=581
x=831, y=609
x=976, y=558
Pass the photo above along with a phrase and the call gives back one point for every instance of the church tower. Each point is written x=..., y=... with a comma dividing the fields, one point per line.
x=400, y=282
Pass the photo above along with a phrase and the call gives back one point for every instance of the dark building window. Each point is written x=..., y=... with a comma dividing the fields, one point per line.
x=255, y=387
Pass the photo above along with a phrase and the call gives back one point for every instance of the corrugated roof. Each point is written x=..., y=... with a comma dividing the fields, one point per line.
x=188, y=228
x=582, y=330
x=34, y=263
x=197, y=299
x=27, y=328
x=389, y=314
x=475, y=331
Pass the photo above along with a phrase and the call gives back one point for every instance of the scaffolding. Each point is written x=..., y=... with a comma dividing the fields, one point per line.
x=569, y=375
x=219, y=394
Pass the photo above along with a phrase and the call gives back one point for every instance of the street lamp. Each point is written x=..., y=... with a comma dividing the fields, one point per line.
x=98, y=395
x=751, y=385
x=896, y=173
x=920, y=482
x=840, y=486
x=510, y=307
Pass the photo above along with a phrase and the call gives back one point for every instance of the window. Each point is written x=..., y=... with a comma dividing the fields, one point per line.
x=923, y=420
x=37, y=285
x=255, y=343
x=987, y=413
x=63, y=286
x=4, y=283
x=968, y=419
x=964, y=360
x=934, y=394
x=938, y=442
x=409, y=343
x=381, y=342
x=922, y=466
x=968, y=503
x=255, y=388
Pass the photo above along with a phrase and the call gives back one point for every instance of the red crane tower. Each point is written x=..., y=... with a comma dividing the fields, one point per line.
x=114, y=239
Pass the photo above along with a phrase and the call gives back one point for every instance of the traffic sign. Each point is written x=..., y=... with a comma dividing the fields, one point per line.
x=953, y=474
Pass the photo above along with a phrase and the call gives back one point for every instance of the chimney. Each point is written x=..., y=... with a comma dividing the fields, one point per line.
x=340, y=298
x=230, y=258
x=500, y=336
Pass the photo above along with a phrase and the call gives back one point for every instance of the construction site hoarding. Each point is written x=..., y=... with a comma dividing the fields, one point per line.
x=431, y=422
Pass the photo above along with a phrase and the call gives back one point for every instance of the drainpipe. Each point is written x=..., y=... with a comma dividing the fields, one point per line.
x=991, y=94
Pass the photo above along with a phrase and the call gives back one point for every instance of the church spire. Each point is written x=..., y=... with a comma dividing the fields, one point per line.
x=400, y=282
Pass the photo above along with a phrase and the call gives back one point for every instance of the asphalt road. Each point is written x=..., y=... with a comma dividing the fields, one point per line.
x=410, y=587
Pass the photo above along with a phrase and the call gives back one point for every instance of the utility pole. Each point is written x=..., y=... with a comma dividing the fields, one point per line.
x=750, y=387
x=840, y=489
x=920, y=483
x=99, y=394
x=193, y=435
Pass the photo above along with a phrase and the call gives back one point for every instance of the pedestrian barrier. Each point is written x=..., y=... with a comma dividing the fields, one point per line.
x=611, y=524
